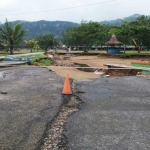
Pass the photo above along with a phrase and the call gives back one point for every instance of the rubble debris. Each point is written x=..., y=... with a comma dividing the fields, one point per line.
x=99, y=71
x=55, y=134
x=107, y=75
x=50, y=56
x=3, y=92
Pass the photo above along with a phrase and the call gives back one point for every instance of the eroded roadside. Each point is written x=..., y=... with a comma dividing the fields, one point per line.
x=33, y=99
x=54, y=135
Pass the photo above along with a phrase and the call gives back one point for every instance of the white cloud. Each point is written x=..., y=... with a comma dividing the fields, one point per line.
x=103, y=11
x=7, y=3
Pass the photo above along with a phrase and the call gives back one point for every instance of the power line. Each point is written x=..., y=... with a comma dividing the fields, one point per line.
x=59, y=9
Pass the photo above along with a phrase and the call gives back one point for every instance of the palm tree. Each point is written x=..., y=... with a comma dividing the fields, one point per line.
x=31, y=44
x=10, y=36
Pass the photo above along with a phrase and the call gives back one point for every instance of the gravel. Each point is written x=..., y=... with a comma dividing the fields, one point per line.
x=54, y=137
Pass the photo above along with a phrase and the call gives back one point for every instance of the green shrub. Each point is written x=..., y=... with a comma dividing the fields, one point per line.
x=42, y=60
x=38, y=57
x=47, y=62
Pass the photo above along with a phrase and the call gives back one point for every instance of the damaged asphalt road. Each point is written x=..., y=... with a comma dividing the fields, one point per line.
x=115, y=115
x=33, y=99
x=33, y=111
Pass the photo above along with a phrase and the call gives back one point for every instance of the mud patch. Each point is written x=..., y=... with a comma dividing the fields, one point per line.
x=122, y=72
x=110, y=72
x=84, y=69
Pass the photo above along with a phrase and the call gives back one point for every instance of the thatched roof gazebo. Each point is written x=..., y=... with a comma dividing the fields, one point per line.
x=112, y=42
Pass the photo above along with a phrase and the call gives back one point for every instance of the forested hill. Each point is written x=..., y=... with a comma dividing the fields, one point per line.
x=119, y=22
x=42, y=27
x=56, y=27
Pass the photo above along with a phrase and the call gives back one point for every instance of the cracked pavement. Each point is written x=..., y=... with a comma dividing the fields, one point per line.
x=115, y=115
x=32, y=101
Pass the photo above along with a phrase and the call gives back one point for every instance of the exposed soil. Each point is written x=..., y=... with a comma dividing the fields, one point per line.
x=122, y=72
x=92, y=61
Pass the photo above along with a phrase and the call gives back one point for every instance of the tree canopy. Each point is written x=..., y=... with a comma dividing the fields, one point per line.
x=32, y=44
x=11, y=36
x=93, y=33
x=46, y=41
x=87, y=34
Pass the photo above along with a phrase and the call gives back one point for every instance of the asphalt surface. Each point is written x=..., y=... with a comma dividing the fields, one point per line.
x=115, y=115
x=33, y=99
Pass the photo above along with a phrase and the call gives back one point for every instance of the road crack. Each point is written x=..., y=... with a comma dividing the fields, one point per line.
x=54, y=138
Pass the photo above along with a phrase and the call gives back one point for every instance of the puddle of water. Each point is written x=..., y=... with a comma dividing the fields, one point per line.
x=84, y=69
x=2, y=75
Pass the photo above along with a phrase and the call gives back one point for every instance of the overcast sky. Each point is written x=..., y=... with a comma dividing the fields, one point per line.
x=105, y=10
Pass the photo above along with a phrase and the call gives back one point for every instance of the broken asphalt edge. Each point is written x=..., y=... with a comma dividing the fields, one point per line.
x=45, y=142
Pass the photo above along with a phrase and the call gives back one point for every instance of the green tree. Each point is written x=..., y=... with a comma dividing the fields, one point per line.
x=46, y=41
x=37, y=47
x=87, y=34
x=103, y=35
x=123, y=32
x=32, y=44
x=140, y=29
x=90, y=32
x=11, y=36
x=70, y=37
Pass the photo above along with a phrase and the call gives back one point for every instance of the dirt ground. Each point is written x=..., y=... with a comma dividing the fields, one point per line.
x=93, y=61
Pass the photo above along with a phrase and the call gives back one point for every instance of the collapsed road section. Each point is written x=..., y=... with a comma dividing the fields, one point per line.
x=32, y=106
x=54, y=137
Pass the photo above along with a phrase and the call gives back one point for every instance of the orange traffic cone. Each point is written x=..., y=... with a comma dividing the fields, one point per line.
x=67, y=88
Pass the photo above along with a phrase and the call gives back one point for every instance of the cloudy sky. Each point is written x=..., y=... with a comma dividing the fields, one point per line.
x=71, y=10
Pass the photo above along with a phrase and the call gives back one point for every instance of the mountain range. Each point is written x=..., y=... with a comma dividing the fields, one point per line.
x=42, y=27
x=119, y=22
x=56, y=27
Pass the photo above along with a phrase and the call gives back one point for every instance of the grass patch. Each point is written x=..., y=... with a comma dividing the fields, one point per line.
x=133, y=54
x=42, y=60
x=16, y=52
x=45, y=62
x=38, y=58
x=145, y=73
x=140, y=65
x=124, y=55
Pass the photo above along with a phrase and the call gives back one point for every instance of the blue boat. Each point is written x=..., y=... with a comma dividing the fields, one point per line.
x=15, y=58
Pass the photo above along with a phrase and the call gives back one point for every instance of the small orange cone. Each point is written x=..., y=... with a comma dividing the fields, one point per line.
x=67, y=88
